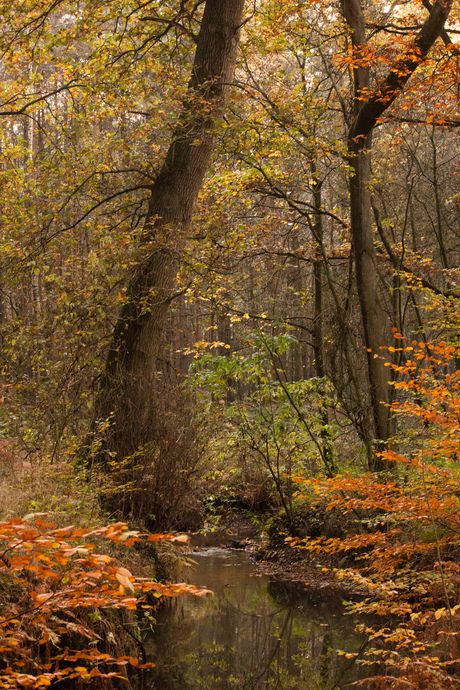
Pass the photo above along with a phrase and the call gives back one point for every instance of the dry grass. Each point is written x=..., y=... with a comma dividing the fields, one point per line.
x=31, y=487
x=69, y=499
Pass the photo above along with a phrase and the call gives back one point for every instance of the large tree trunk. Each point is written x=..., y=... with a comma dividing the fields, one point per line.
x=374, y=318
x=125, y=397
x=367, y=110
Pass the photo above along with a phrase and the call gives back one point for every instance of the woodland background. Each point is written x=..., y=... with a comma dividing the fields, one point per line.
x=238, y=285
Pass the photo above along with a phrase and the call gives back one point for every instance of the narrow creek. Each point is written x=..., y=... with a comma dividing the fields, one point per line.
x=252, y=633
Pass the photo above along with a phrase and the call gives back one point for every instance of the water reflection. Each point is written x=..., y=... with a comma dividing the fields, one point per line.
x=252, y=634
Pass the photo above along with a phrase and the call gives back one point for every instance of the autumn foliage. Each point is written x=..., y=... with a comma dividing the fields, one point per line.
x=401, y=552
x=49, y=576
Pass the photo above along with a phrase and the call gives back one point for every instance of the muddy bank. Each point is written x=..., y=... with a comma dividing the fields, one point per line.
x=267, y=548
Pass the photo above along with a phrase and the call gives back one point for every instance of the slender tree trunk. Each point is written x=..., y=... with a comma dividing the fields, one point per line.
x=369, y=106
x=124, y=397
x=317, y=332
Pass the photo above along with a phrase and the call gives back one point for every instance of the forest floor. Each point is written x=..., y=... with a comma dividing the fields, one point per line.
x=27, y=487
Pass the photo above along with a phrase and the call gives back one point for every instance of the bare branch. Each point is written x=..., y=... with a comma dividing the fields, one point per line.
x=72, y=84
x=170, y=23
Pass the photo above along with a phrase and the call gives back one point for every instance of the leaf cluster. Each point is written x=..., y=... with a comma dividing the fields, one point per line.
x=403, y=552
x=48, y=577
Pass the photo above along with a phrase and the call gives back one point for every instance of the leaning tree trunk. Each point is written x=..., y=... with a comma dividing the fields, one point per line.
x=125, y=398
x=368, y=108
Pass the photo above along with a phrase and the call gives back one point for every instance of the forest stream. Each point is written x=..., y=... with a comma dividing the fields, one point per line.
x=252, y=633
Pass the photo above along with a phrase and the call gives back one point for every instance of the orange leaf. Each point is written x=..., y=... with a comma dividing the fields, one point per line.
x=125, y=582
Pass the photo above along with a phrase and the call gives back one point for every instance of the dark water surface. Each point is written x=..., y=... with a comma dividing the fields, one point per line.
x=253, y=633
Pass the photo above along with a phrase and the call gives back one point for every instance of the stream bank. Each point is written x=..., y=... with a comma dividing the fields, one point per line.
x=266, y=546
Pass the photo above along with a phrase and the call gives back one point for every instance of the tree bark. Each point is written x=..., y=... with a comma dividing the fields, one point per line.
x=317, y=330
x=368, y=108
x=132, y=359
